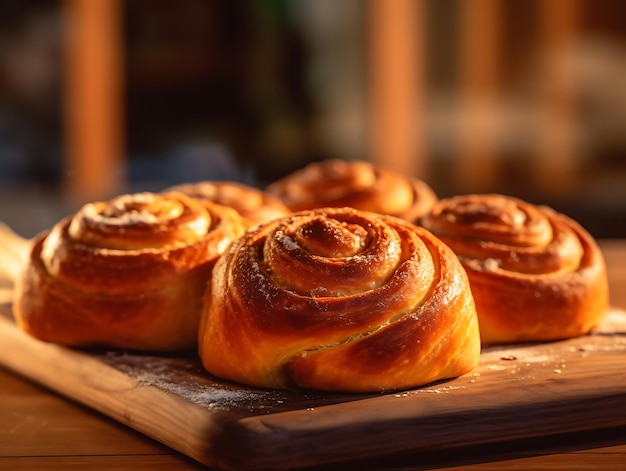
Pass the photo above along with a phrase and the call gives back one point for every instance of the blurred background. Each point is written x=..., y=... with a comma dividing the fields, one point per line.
x=101, y=97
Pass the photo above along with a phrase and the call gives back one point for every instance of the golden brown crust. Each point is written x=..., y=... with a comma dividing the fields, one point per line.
x=536, y=274
x=337, y=299
x=253, y=204
x=126, y=273
x=355, y=184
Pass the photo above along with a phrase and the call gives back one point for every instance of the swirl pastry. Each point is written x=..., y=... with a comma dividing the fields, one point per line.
x=253, y=204
x=536, y=274
x=355, y=184
x=126, y=273
x=338, y=299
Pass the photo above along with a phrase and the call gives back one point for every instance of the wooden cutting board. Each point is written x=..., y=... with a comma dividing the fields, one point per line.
x=520, y=391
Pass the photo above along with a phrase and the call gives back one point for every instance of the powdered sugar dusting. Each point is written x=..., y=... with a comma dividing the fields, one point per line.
x=205, y=396
x=184, y=377
x=287, y=242
x=614, y=322
x=439, y=390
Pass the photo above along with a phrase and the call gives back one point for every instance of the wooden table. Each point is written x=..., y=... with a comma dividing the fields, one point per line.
x=42, y=431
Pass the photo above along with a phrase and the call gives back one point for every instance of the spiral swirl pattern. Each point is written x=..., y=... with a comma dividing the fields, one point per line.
x=536, y=274
x=128, y=273
x=341, y=300
x=355, y=184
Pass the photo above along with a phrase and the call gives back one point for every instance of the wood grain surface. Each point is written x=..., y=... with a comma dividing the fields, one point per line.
x=517, y=392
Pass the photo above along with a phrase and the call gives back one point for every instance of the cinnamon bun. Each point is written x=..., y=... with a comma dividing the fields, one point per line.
x=252, y=203
x=356, y=184
x=126, y=273
x=536, y=274
x=337, y=299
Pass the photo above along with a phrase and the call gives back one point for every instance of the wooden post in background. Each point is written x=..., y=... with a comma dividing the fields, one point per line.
x=94, y=121
x=555, y=162
x=476, y=168
x=396, y=100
